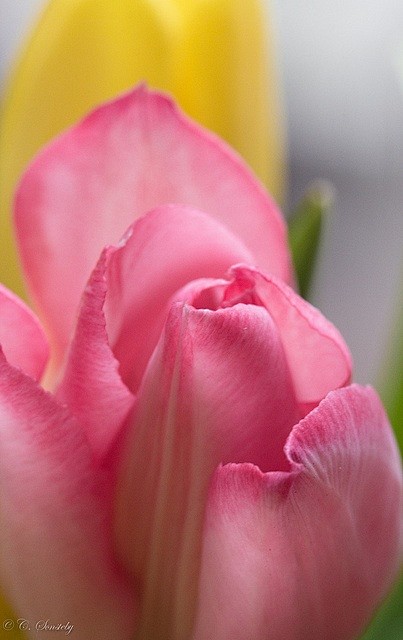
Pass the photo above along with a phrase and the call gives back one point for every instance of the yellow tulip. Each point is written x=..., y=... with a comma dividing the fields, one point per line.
x=213, y=56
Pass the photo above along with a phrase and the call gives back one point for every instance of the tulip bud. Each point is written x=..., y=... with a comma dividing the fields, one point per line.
x=212, y=55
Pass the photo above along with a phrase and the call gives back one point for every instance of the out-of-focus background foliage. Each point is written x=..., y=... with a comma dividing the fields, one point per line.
x=344, y=105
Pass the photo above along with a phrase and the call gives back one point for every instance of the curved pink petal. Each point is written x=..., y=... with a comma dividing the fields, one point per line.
x=124, y=159
x=307, y=554
x=56, y=555
x=124, y=309
x=317, y=355
x=159, y=254
x=202, y=293
x=216, y=388
x=21, y=336
x=91, y=385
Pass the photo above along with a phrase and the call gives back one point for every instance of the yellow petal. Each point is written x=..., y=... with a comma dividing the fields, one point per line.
x=81, y=53
x=225, y=78
x=212, y=55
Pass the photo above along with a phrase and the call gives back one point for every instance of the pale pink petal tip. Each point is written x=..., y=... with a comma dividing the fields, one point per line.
x=317, y=355
x=22, y=338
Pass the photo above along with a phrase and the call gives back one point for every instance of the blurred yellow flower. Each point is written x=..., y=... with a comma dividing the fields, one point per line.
x=214, y=56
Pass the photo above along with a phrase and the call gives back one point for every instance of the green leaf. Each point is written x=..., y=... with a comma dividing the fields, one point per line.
x=388, y=623
x=391, y=383
x=305, y=231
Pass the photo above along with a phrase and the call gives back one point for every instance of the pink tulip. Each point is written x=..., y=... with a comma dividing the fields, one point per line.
x=199, y=469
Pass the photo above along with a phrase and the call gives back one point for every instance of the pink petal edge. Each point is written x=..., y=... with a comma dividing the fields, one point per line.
x=22, y=338
x=91, y=385
x=307, y=554
x=318, y=357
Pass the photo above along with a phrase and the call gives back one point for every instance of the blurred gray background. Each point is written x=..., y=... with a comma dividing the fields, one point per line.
x=344, y=99
x=344, y=102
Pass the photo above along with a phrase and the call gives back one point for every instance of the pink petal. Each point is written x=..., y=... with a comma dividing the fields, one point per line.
x=21, y=336
x=317, y=355
x=217, y=388
x=91, y=384
x=160, y=253
x=131, y=286
x=56, y=551
x=307, y=554
x=124, y=159
x=202, y=293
